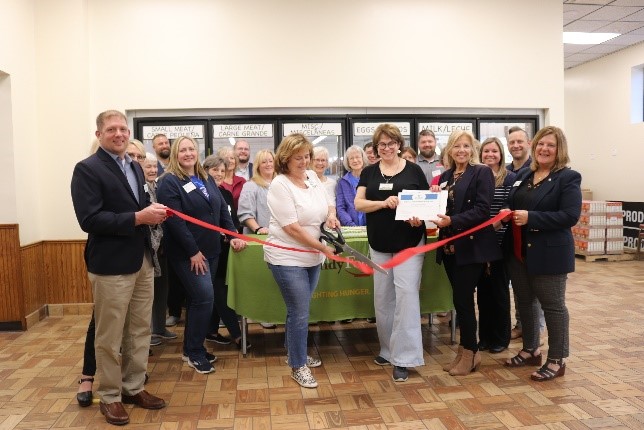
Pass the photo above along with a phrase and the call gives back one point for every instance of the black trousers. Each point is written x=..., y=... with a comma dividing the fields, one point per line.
x=89, y=354
x=464, y=280
x=176, y=293
x=493, y=299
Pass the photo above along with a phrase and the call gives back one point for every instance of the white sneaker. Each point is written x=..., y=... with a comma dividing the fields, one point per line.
x=304, y=377
x=310, y=361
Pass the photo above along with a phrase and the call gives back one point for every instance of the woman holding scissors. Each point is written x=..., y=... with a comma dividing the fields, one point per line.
x=298, y=204
x=396, y=298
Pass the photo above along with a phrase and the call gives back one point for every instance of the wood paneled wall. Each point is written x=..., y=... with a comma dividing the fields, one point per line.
x=39, y=274
x=65, y=271
x=12, y=310
x=33, y=277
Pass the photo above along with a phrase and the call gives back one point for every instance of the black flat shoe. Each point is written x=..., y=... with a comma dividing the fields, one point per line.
x=84, y=398
x=483, y=345
x=497, y=348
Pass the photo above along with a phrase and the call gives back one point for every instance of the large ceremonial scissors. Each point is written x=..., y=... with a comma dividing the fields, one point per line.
x=336, y=240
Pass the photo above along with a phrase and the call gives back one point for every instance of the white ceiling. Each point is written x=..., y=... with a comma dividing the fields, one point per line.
x=602, y=16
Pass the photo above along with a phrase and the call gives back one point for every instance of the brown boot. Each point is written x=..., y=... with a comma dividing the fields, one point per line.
x=470, y=362
x=453, y=363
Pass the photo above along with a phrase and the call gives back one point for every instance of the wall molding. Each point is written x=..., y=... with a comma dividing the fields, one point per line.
x=41, y=279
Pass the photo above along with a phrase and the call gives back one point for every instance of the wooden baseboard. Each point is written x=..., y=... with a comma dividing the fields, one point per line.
x=35, y=317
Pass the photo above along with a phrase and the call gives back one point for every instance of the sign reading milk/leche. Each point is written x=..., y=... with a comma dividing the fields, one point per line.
x=422, y=204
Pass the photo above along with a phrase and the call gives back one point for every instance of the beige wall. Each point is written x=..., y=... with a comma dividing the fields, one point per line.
x=607, y=147
x=20, y=172
x=91, y=55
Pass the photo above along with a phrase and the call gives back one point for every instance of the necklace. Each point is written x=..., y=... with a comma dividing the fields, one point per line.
x=540, y=177
x=388, y=178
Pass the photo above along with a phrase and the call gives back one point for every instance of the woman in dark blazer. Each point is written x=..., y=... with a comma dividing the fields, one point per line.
x=546, y=200
x=470, y=188
x=192, y=250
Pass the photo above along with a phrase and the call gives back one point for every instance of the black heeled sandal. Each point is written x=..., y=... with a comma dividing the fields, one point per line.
x=520, y=361
x=546, y=374
x=85, y=398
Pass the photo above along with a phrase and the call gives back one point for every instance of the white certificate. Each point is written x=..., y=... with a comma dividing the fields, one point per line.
x=421, y=204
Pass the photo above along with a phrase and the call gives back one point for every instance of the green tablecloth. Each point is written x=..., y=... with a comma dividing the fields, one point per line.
x=342, y=293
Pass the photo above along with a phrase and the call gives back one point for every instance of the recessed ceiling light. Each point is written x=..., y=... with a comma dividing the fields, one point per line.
x=579, y=38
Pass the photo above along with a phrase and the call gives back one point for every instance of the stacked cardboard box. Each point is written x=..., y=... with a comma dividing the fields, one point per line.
x=614, y=228
x=599, y=230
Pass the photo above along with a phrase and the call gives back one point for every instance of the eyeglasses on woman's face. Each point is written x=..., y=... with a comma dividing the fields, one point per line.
x=135, y=156
x=391, y=144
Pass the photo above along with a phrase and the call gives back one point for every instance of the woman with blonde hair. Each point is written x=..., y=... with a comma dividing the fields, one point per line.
x=253, y=209
x=136, y=151
x=231, y=182
x=493, y=290
x=192, y=250
x=470, y=188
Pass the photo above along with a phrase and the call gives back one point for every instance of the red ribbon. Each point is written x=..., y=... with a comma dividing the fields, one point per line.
x=364, y=268
x=405, y=254
x=399, y=258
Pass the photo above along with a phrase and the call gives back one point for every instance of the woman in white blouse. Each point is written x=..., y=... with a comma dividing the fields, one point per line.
x=299, y=205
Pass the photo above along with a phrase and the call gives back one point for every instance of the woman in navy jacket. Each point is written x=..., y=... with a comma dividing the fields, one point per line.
x=546, y=200
x=192, y=250
x=470, y=188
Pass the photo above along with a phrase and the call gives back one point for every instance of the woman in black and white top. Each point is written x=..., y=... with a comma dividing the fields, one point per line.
x=493, y=290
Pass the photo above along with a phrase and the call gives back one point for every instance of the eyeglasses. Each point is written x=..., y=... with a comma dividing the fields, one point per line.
x=134, y=156
x=391, y=144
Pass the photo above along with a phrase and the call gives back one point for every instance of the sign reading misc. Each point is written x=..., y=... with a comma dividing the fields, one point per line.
x=173, y=131
x=314, y=129
x=242, y=130
x=367, y=128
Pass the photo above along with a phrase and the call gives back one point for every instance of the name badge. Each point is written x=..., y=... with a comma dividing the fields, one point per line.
x=189, y=187
x=443, y=185
x=385, y=186
x=145, y=188
x=516, y=184
x=436, y=173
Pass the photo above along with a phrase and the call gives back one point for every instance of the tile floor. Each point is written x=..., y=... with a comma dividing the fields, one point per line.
x=603, y=387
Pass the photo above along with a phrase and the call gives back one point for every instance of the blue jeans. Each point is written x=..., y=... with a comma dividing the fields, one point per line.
x=199, y=300
x=296, y=285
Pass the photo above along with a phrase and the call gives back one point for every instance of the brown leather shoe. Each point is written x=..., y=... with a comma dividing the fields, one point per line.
x=144, y=400
x=114, y=413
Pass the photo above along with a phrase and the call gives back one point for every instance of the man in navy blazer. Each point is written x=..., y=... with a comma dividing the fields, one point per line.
x=112, y=206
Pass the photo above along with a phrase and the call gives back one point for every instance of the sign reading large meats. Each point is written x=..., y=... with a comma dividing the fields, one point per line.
x=633, y=217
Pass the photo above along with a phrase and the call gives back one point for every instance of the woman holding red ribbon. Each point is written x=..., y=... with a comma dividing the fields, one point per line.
x=546, y=200
x=299, y=205
x=395, y=294
x=470, y=188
